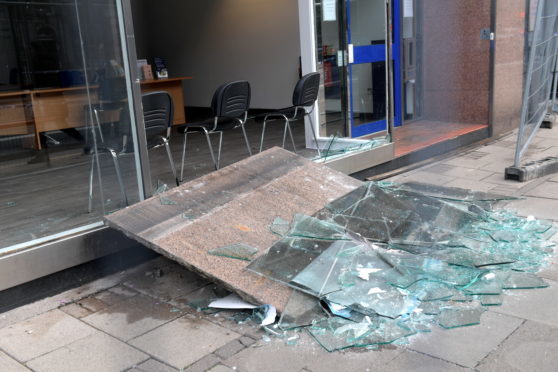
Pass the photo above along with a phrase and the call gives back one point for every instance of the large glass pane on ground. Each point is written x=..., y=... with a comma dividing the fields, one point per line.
x=65, y=126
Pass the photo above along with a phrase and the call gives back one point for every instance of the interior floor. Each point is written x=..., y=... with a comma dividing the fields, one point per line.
x=420, y=134
x=63, y=182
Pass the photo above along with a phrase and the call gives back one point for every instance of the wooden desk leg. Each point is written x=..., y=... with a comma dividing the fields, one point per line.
x=35, y=129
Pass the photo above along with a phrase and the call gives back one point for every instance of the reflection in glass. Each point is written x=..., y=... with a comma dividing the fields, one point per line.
x=63, y=113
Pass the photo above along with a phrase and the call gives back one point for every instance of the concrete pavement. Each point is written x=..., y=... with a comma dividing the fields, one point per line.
x=138, y=320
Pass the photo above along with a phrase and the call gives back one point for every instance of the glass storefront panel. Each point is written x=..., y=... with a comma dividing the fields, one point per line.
x=66, y=141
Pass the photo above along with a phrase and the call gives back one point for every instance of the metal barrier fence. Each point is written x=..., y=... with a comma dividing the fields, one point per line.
x=555, y=84
x=539, y=79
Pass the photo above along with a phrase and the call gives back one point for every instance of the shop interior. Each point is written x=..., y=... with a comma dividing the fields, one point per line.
x=204, y=44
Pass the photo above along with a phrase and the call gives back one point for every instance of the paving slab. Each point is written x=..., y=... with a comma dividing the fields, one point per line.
x=10, y=365
x=232, y=205
x=115, y=295
x=152, y=365
x=466, y=162
x=461, y=172
x=538, y=207
x=533, y=347
x=76, y=310
x=410, y=361
x=307, y=354
x=427, y=177
x=184, y=341
x=133, y=317
x=471, y=184
x=466, y=346
x=533, y=304
x=547, y=190
x=41, y=334
x=97, y=352
x=166, y=283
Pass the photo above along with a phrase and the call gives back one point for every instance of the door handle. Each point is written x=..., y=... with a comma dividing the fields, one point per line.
x=351, y=53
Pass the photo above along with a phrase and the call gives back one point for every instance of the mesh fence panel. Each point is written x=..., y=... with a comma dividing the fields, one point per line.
x=539, y=80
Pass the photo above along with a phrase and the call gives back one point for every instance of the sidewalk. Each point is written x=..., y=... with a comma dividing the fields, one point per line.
x=137, y=320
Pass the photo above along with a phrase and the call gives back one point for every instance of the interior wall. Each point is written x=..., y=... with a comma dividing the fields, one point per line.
x=216, y=41
x=508, y=65
x=456, y=61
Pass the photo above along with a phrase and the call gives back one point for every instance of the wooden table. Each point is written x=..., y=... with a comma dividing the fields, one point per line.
x=42, y=110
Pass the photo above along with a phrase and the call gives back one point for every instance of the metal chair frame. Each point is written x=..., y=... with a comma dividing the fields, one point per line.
x=115, y=157
x=204, y=130
x=287, y=127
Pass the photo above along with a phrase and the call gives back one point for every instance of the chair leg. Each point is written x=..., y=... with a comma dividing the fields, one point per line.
x=210, y=148
x=119, y=176
x=291, y=135
x=314, y=134
x=183, y=157
x=171, y=160
x=285, y=131
x=219, y=152
x=246, y=140
x=91, y=171
x=263, y=133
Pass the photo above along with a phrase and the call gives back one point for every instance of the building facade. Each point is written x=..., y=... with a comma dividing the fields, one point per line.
x=424, y=76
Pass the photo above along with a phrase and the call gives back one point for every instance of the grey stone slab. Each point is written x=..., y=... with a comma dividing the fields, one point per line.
x=533, y=347
x=471, y=184
x=174, y=281
x=550, y=268
x=97, y=352
x=133, y=317
x=184, y=341
x=10, y=365
x=466, y=173
x=466, y=346
x=460, y=161
x=548, y=190
x=427, y=177
x=76, y=310
x=410, y=361
x=538, y=207
x=204, y=364
x=152, y=365
x=276, y=355
x=247, y=341
x=533, y=304
x=41, y=334
x=92, y=304
x=228, y=350
x=28, y=311
x=114, y=295
x=220, y=368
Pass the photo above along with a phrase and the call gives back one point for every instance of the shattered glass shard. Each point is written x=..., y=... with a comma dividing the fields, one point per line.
x=460, y=317
x=301, y=310
x=239, y=251
x=280, y=226
x=166, y=201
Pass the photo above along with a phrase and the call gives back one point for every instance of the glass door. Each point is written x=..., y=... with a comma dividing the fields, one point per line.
x=367, y=62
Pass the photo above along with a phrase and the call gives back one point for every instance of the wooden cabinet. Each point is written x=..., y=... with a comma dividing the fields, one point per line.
x=43, y=110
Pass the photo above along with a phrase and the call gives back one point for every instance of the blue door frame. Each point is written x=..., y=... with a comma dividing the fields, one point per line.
x=377, y=53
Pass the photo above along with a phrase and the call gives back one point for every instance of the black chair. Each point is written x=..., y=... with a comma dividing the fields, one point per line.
x=229, y=107
x=158, y=112
x=304, y=97
x=112, y=137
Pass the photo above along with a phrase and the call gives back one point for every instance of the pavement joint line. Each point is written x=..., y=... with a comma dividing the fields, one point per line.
x=501, y=343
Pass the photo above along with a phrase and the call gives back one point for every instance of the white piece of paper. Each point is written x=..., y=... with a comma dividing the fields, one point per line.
x=364, y=272
x=233, y=301
x=329, y=10
x=376, y=291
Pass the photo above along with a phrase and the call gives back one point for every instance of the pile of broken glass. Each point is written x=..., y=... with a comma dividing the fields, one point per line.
x=387, y=261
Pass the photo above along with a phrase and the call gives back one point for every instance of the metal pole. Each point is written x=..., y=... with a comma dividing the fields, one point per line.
x=389, y=72
x=127, y=41
x=527, y=90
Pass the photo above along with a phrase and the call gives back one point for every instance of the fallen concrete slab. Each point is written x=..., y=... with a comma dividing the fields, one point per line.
x=236, y=204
